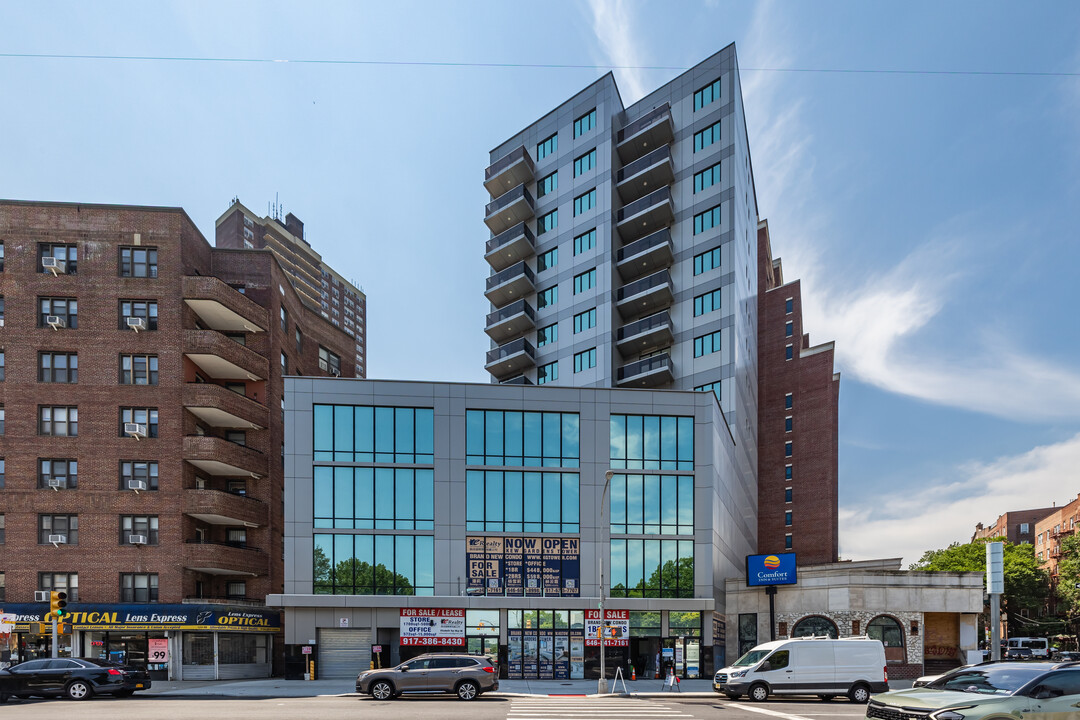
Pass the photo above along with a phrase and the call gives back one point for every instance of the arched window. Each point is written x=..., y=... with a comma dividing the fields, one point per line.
x=891, y=634
x=815, y=626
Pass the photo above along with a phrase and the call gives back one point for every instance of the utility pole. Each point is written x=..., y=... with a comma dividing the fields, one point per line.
x=602, y=686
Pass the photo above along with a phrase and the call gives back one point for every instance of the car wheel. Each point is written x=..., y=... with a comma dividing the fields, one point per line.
x=859, y=694
x=78, y=690
x=382, y=690
x=826, y=698
x=467, y=690
x=759, y=693
x=732, y=696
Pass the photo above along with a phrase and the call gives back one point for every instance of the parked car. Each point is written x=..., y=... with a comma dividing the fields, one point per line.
x=995, y=690
x=927, y=679
x=468, y=676
x=76, y=678
x=1018, y=653
x=820, y=666
x=1065, y=656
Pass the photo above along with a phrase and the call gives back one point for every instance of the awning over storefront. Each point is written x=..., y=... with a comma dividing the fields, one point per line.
x=149, y=617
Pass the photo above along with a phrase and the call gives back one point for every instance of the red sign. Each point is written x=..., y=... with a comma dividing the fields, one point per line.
x=432, y=626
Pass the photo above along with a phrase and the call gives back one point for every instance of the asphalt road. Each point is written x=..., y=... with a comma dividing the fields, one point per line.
x=491, y=707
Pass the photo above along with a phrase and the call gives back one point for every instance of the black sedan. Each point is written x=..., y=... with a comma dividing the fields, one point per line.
x=76, y=678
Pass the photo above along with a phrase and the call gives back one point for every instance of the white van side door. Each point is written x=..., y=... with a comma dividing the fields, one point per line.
x=779, y=671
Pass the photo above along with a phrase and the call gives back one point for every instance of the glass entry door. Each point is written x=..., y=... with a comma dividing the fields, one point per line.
x=484, y=646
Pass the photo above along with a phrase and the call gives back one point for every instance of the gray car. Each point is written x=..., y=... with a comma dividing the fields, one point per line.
x=468, y=676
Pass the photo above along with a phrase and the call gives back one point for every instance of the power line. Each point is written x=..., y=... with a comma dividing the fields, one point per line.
x=540, y=66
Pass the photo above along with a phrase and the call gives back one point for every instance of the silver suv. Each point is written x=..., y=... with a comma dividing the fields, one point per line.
x=466, y=675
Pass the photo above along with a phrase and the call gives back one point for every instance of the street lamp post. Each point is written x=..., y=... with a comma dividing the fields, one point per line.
x=602, y=686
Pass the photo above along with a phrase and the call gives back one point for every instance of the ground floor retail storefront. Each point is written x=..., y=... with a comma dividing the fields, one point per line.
x=173, y=642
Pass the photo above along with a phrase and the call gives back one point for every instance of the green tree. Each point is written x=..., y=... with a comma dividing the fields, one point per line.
x=1068, y=577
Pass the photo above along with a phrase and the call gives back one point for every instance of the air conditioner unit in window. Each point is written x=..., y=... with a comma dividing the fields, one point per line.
x=57, y=483
x=137, y=539
x=135, y=430
x=55, y=321
x=136, y=485
x=41, y=596
x=335, y=373
x=58, y=539
x=136, y=323
x=54, y=265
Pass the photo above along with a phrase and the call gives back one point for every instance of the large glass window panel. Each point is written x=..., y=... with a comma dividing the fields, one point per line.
x=404, y=561
x=343, y=433
x=618, y=441
x=512, y=437
x=552, y=450
x=322, y=564
x=552, y=502
x=425, y=499
x=425, y=565
x=384, y=434
x=474, y=500
x=651, y=487
x=324, y=497
x=652, y=575
x=365, y=554
x=365, y=434
x=533, y=501
x=686, y=444
x=384, y=563
x=364, y=483
x=384, y=498
x=686, y=569
x=495, y=437
x=635, y=443
x=618, y=504
x=652, y=442
x=425, y=435
x=404, y=499
x=571, y=510
x=634, y=498
x=618, y=568
x=571, y=434
x=686, y=505
x=494, y=505
x=514, y=502
x=474, y=435
x=669, y=504
x=404, y=435
x=344, y=565
x=635, y=567
x=533, y=437
x=344, y=510
x=650, y=433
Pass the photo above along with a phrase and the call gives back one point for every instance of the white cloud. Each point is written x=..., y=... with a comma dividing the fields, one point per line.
x=907, y=523
x=611, y=25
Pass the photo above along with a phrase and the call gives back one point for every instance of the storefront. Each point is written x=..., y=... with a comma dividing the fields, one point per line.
x=172, y=642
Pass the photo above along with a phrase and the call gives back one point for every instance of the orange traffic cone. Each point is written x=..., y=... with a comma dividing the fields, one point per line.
x=633, y=673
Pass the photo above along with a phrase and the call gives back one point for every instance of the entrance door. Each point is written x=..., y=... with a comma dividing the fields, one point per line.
x=487, y=645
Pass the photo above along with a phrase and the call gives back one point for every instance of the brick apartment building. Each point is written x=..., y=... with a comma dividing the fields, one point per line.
x=1016, y=526
x=142, y=470
x=798, y=396
x=1050, y=531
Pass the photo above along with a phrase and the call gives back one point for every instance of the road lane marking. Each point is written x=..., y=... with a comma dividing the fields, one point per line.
x=773, y=713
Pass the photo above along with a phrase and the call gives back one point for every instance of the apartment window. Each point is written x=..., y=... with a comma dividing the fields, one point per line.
x=380, y=498
x=144, y=470
x=713, y=387
x=236, y=590
x=789, y=352
x=1, y=270
x=788, y=401
x=787, y=519
x=329, y=362
x=652, y=442
x=138, y=587
x=1, y=418
x=68, y=582
x=67, y=254
x=584, y=202
x=62, y=421
x=585, y=320
x=707, y=94
x=1, y=310
x=547, y=146
x=707, y=178
x=789, y=306
x=58, y=367
x=236, y=436
x=547, y=335
x=787, y=449
x=66, y=525
x=787, y=542
x=707, y=220
x=237, y=537
x=138, y=262
x=547, y=297
x=585, y=281
x=64, y=470
x=585, y=123
x=585, y=241
x=512, y=501
x=530, y=439
x=66, y=309
x=284, y=317
x=547, y=373
x=585, y=163
x=3, y=471
x=547, y=222
x=707, y=344
x=707, y=303
x=787, y=495
x=707, y=137
x=299, y=342
x=146, y=310
x=787, y=424
x=787, y=472
x=789, y=329
x=147, y=417
x=585, y=360
x=708, y=260
x=547, y=184
x=548, y=260
x=1025, y=529
x=138, y=370
x=144, y=525
x=3, y=539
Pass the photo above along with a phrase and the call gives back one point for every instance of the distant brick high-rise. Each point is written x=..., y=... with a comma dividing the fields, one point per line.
x=798, y=398
x=1016, y=526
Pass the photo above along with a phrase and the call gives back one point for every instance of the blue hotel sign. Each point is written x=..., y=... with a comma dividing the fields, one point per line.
x=776, y=569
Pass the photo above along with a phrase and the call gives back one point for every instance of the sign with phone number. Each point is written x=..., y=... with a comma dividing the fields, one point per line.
x=432, y=641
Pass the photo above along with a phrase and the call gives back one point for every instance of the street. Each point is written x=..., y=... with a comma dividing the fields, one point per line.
x=491, y=707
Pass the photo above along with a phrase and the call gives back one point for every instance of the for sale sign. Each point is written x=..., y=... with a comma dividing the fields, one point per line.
x=616, y=627
x=432, y=626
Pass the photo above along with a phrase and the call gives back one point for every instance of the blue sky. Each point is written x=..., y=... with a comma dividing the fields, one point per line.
x=932, y=217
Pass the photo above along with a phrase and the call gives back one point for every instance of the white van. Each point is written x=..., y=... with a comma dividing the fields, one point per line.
x=1040, y=647
x=853, y=666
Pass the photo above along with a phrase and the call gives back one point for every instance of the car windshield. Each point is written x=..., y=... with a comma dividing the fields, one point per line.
x=989, y=680
x=751, y=658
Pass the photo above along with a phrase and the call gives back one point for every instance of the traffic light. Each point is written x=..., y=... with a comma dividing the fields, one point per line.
x=57, y=604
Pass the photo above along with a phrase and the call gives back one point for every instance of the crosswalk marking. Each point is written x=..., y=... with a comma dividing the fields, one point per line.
x=589, y=709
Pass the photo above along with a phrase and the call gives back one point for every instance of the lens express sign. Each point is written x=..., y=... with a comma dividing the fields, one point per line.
x=148, y=617
x=777, y=569
x=432, y=626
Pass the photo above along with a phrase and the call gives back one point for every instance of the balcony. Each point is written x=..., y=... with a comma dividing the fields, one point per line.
x=645, y=134
x=648, y=332
x=516, y=380
x=223, y=359
x=224, y=559
x=511, y=359
x=646, y=215
x=511, y=321
x=509, y=209
x=223, y=600
x=221, y=307
x=220, y=407
x=645, y=174
x=511, y=246
x=513, y=283
x=1060, y=533
x=224, y=508
x=641, y=257
x=512, y=169
x=650, y=372
x=644, y=296
x=216, y=456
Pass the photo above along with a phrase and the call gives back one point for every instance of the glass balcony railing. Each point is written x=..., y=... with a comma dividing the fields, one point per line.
x=511, y=348
x=643, y=285
x=640, y=367
x=509, y=274
x=660, y=237
x=650, y=118
x=660, y=319
x=518, y=155
x=507, y=235
x=508, y=198
x=514, y=308
x=517, y=380
x=642, y=204
x=658, y=155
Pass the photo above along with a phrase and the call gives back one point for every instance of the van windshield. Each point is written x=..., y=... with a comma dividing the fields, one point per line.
x=751, y=658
